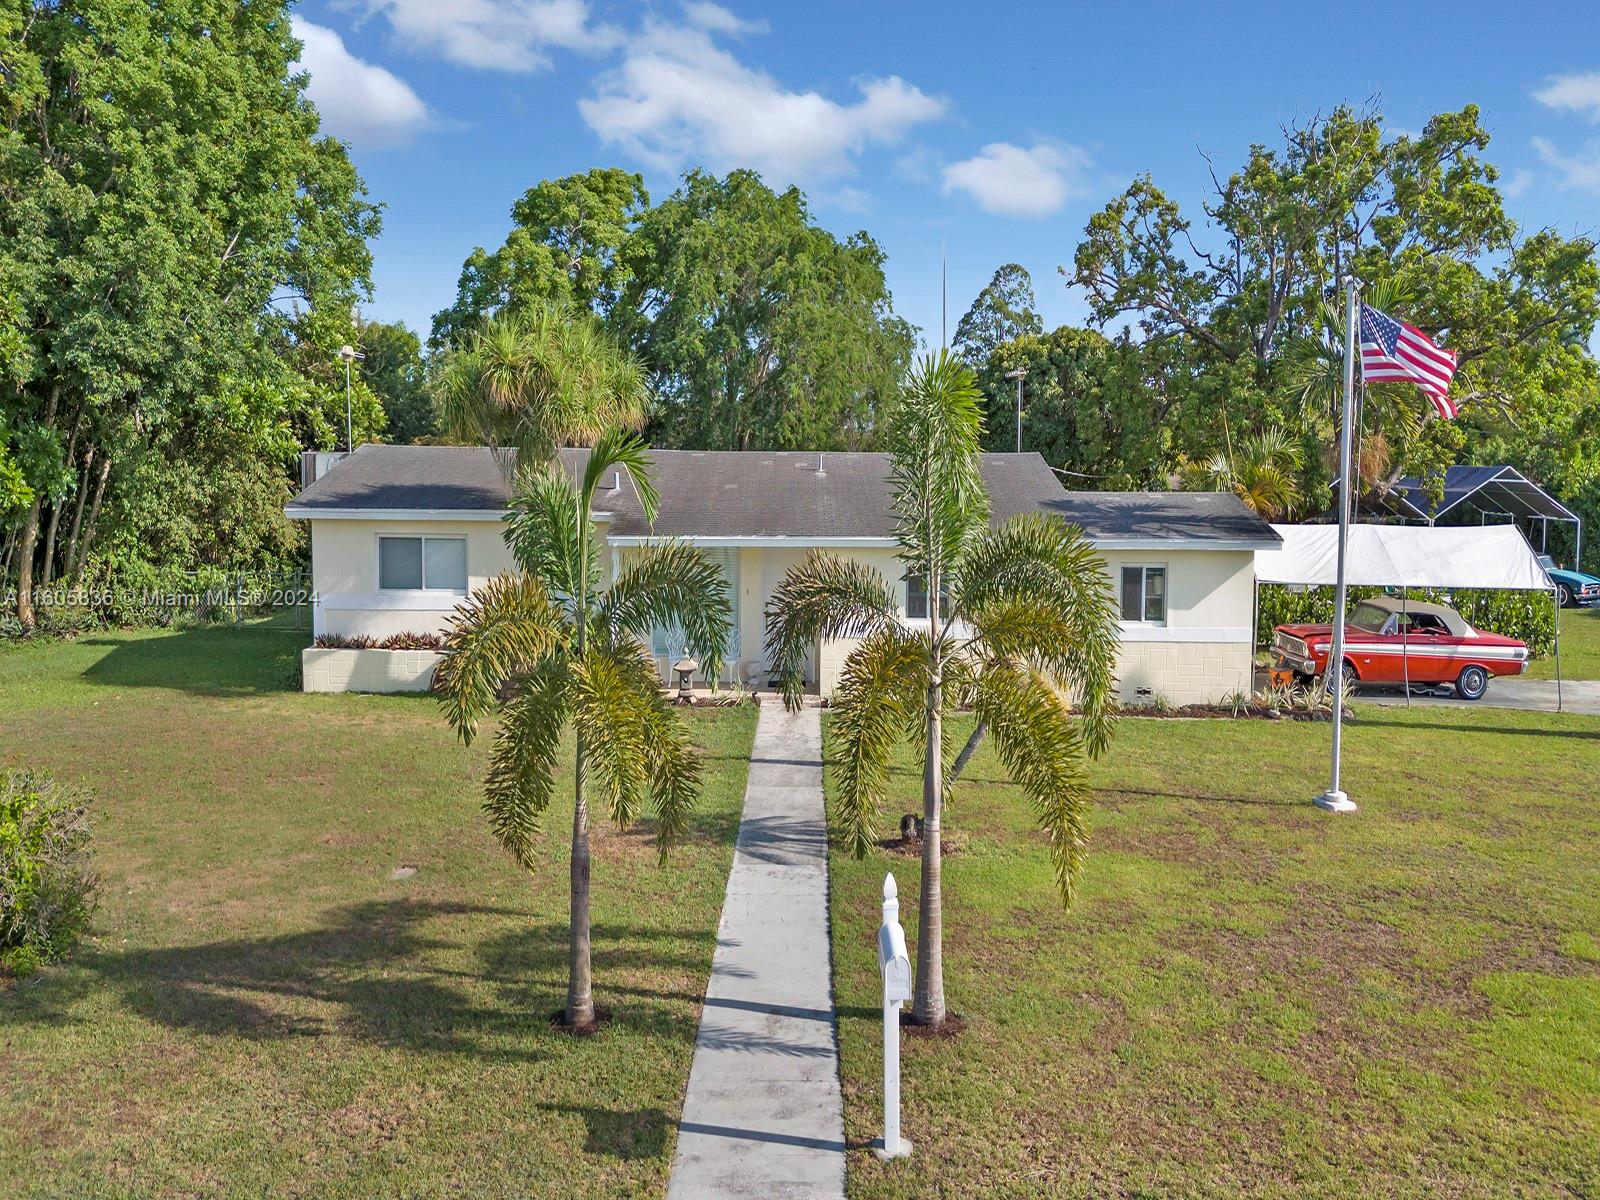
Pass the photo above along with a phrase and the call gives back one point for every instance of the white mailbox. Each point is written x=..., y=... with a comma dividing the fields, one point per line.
x=895, y=965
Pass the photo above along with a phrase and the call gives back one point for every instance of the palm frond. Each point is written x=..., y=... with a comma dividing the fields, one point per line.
x=536, y=378
x=610, y=715
x=672, y=584
x=542, y=530
x=1042, y=750
x=935, y=431
x=502, y=631
x=881, y=694
x=822, y=596
x=618, y=450
x=522, y=763
x=1034, y=590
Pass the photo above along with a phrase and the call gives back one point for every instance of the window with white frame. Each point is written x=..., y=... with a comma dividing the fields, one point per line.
x=435, y=564
x=917, y=597
x=1144, y=594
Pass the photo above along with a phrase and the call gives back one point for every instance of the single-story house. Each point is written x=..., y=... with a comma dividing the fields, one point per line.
x=400, y=534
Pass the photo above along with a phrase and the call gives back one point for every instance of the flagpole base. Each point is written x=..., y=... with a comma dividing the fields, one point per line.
x=903, y=1150
x=1331, y=801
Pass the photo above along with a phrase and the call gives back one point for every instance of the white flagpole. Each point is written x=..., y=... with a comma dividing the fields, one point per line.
x=1334, y=800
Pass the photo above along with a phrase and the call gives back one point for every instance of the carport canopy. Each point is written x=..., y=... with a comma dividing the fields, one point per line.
x=1468, y=556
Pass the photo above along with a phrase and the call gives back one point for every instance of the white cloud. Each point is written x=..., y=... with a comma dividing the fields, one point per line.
x=358, y=101
x=678, y=97
x=494, y=35
x=1581, y=171
x=1012, y=182
x=715, y=19
x=1579, y=93
x=1517, y=186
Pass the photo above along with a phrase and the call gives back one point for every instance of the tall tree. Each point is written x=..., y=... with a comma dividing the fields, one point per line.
x=1019, y=617
x=759, y=329
x=395, y=371
x=536, y=378
x=550, y=647
x=1002, y=312
x=164, y=200
x=563, y=248
x=1418, y=216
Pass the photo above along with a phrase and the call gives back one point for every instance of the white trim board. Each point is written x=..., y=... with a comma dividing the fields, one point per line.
x=1133, y=631
x=778, y=542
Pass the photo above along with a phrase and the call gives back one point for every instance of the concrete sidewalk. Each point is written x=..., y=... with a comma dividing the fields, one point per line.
x=763, y=1116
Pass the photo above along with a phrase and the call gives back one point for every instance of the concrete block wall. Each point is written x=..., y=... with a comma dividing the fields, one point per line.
x=367, y=670
x=1182, y=672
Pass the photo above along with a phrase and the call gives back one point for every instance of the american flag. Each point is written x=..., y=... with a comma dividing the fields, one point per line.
x=1392, y=350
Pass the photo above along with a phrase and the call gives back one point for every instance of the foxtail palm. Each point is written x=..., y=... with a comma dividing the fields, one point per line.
x=550, y=647
x=1019, y=619
x=537, y=378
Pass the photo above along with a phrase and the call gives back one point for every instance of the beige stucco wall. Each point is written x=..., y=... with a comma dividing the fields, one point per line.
x=344, y=574
x=367, y=670
x=1200, y=654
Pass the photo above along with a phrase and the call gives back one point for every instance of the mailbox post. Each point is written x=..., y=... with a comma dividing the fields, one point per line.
x=896, y=967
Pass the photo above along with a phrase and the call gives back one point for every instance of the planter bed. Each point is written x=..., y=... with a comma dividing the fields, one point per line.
x=343, y=670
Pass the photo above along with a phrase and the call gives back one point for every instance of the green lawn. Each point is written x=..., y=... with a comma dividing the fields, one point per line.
x=1580, y=647
x=263, y=1010
x=1253, y=998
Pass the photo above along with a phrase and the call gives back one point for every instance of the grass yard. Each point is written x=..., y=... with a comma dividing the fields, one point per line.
x=1580, y=647
x=1253, y=998
x=263, y=1009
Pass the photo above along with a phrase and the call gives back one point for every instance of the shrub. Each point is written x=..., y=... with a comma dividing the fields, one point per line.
x=397, y=641
x=47, y=887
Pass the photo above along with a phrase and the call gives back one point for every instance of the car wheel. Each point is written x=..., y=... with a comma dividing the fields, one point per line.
x=1472, y=683
x=1564, y=595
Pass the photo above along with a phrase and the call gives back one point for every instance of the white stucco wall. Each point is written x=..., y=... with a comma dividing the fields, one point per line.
x=1201, y=653
x=344, y=576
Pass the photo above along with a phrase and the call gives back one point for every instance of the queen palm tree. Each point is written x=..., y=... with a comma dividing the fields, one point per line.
x=1019, y=618
x=549, y=647
x=536, y=378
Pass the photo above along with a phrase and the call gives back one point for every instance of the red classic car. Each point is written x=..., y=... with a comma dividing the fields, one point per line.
x=1387, y=642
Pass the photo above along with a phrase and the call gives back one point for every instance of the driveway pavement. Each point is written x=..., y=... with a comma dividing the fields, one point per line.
x=1534, y=695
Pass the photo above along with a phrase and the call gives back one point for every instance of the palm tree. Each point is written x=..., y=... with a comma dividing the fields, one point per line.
x=536, y=378
x=1019, y=616
x=548, y=647
x=1262, y=472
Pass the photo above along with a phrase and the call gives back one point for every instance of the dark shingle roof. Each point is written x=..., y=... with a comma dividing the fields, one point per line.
x=768, y=494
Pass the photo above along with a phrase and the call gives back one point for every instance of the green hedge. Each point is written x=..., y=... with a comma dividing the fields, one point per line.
x=1527, y=616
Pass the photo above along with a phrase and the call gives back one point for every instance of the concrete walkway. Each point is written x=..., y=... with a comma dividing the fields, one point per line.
x=762, y=1116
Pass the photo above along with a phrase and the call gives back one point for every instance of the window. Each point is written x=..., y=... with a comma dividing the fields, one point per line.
x=1144, y=595
x=417, y=563
x=917, y=597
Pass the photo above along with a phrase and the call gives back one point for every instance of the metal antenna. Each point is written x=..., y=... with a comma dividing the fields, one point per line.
x=944, y=293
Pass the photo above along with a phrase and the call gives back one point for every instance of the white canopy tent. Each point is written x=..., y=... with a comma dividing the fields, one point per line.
x=1472, y=556
x=1410, y=556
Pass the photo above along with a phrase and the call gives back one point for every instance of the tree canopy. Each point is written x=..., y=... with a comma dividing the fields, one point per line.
x=1240, y=317
x=1002, y=312
x=756, y=327
x=171, y=223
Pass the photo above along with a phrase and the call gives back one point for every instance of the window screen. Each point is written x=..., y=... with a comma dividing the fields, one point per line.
x=446, y=564
x=400, y=562
x=414, y=563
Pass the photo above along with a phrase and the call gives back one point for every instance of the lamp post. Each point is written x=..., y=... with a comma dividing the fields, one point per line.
x=1019, y=375
x=349, y=354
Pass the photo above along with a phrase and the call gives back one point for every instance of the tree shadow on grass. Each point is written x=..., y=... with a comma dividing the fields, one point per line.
x=204, y=661
x=630, y=1134
x=387, y=973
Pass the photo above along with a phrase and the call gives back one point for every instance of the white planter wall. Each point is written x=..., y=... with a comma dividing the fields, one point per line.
x=367, y=670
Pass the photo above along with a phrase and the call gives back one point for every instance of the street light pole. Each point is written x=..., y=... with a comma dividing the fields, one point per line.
x=349, y=354
x=1019, y=375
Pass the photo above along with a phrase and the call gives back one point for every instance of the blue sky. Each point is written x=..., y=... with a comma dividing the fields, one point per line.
x=996, y=128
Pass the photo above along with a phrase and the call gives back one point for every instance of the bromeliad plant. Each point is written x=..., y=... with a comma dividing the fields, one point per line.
x=1019, y=618
x=550, y=647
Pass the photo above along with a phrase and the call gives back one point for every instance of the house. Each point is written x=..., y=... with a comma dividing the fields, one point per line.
x=400, y=534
